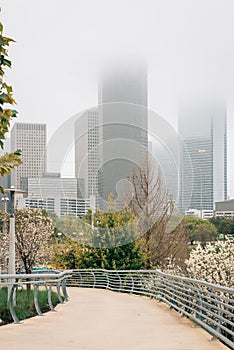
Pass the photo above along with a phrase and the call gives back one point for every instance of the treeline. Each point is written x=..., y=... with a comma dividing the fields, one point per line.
x=114, y=241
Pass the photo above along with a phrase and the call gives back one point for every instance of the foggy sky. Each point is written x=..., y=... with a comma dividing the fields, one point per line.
x=188, y=45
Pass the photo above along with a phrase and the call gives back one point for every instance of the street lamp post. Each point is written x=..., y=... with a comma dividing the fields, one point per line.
x=4, y=226
x=11, y=266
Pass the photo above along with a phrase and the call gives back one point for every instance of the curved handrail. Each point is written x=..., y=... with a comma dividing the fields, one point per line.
x=210, y=305
x=36, y=280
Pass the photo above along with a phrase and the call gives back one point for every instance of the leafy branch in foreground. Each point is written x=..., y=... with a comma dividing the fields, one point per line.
x=9, y=160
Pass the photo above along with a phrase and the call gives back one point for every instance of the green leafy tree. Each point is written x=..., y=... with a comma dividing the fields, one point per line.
x=73, y=255
x=197, y=229
x=110, y=250
x=9, y=160
x=106, y=248
x=67, y=254
x=224, y=226
x=70, y=225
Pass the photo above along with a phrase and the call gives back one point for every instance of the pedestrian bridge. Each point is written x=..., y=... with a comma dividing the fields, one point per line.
x=125, y=310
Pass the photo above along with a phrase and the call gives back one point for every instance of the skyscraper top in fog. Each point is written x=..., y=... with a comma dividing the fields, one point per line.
x=202, y=127
x=123, y=114
x=124, y=81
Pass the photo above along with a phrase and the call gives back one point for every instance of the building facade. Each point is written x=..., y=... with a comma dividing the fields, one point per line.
x=87, y=156
x=56, y=194
x=60, y=206
x=203, y=214
x=31, y=139
x=52, y=184
x=74, y=207
x=123, y=116
x=225, y=209
x=203, y=131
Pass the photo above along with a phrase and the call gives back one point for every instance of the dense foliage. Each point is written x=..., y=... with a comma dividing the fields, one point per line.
x=103, y=246
x=199, y=230
x=73, y=255
x=224, y=226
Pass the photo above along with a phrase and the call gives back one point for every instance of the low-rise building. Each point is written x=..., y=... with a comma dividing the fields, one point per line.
x=63, y=196
x=60, y=206
x=203, y=214
x=224, y=209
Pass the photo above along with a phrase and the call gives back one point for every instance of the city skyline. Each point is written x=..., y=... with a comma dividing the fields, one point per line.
x=117, y=169
x=183, y=57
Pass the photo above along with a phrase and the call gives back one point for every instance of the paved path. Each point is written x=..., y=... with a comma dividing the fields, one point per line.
x=104, y=320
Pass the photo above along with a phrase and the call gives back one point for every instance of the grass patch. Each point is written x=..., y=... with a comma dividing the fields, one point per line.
x=24, y=307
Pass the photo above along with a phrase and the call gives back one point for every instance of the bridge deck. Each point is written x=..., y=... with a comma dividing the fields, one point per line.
x=99, y=319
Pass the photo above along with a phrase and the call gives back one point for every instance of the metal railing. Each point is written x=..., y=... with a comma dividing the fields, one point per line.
x=209, y=305
x=36, y=280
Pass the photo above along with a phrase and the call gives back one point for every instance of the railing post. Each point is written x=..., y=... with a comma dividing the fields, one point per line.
x=11, y=304
x=120, y=281
x=49, y=298
x=81, y=278
x=161, y=295
x=94, y=279
x=108, y=280
x=59, y=292
x=64, y=289
x=154, y=276
x=220, y=313
x=36, y=303
x=132, y=290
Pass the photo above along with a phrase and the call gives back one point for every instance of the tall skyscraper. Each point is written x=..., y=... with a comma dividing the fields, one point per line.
x=87, y=151
x=202, y=128
x=123, y=116
x=30, y=138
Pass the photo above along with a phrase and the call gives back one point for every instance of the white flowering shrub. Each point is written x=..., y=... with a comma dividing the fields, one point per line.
x=173, y=268
x=33, y=230
x=214, y=263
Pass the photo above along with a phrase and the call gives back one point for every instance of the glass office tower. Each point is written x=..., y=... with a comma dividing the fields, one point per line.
x=202, y=127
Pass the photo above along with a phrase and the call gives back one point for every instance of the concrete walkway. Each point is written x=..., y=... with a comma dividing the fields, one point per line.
x=104, y=320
